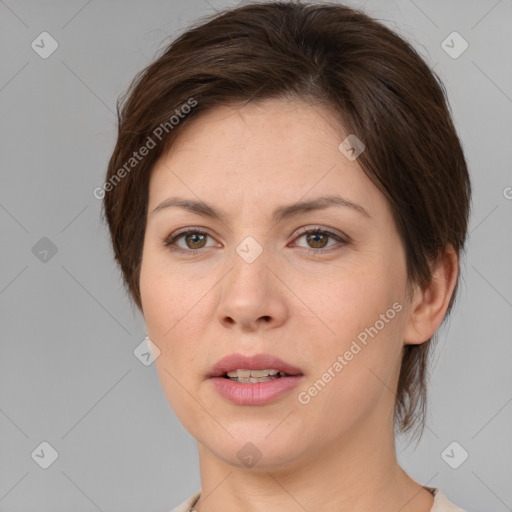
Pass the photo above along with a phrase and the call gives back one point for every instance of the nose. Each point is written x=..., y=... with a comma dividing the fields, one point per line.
x=252, y=297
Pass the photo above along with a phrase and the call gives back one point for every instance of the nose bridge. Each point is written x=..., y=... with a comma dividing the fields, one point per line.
x=250, y=250
x=249, y=292
x=249, y=269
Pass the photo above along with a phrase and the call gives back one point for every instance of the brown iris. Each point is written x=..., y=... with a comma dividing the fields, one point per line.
x=198, y=238
x=309, y=236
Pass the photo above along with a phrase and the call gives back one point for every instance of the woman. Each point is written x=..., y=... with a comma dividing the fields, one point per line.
x=288, y=201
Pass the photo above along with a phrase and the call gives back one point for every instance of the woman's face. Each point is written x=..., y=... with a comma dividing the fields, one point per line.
x=332, y=303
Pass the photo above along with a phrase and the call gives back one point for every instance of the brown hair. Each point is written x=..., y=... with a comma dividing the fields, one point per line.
x=374, y=81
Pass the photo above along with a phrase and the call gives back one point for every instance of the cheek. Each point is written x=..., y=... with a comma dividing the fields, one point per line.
x=160, y=294
x=362, y=313
x=169, y=318
x=174, y=310
x=351, y=301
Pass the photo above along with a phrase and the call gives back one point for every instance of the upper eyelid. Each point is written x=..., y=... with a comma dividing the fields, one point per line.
x=300, y=231
x=321, y=229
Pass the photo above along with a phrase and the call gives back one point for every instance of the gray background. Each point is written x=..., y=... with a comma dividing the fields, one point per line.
x=68, y=375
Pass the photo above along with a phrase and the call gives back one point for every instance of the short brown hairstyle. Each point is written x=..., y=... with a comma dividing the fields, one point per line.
x=375, y=83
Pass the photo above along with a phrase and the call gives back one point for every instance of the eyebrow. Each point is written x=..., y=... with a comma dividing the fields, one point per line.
x=279, y=214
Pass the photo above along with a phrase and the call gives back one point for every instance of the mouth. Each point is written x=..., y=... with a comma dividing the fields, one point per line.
x=253, y=369
x=253, y=380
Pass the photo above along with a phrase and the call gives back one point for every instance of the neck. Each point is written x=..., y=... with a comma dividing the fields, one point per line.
x=357, y=472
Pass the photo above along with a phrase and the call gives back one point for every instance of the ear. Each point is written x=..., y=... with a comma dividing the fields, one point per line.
x=429, y=305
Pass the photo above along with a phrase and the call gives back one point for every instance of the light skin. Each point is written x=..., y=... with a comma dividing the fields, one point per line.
x=304, y=299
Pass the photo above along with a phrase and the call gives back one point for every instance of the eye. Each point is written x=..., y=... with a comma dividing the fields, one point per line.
x=317, y=239
x=194, y=239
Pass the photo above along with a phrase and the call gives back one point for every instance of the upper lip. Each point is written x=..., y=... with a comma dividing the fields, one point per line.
x=256, y=362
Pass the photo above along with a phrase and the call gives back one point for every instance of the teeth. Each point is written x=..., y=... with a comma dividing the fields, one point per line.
x=261, y=379
x=254, y=373
x=252, y=376
x=249, y=380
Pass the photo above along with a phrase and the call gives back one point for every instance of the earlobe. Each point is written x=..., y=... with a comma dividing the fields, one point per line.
x=429, y=304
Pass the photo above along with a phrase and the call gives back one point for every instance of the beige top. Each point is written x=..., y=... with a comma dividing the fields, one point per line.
x=441, y=502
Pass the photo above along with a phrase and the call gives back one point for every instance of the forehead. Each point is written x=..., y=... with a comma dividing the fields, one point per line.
x=270, y=151
x=261, y=127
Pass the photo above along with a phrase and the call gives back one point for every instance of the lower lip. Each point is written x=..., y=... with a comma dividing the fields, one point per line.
x=256, y=393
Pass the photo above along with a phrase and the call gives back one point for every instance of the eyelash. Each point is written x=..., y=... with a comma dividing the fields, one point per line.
x=170, y=241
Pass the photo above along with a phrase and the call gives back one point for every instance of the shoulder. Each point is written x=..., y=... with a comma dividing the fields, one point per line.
x=187, y=504
x=443, y=504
